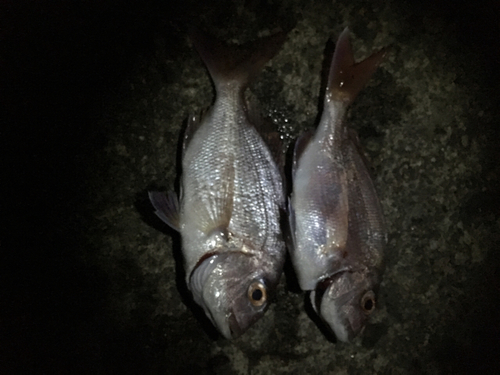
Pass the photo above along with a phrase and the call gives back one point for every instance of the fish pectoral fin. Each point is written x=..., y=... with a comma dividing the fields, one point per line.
x=167, y=207
x=214, y=225
x=216, y=218
x=336, y=212
x=337, y=233
x=337, y=244
x=300, y=146
x=214, y=214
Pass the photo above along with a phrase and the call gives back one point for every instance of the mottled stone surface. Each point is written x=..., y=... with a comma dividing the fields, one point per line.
x=96, y=100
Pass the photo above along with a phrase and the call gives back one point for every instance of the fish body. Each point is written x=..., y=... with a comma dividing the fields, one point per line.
x=232, y=196
x=335, y=216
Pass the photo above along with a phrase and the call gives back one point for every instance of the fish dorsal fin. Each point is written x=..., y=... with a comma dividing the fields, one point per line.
x=238, y=63
x=267, y=131
x=300, y=146
x=167, y=207
x=347, y=77
x=354, y=139
x=193, y=124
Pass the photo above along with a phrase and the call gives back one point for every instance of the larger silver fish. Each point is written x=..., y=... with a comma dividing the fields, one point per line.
x=232, y=195
x=335, y=216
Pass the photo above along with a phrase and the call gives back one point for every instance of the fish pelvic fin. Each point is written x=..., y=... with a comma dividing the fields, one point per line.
x=167, y=208
x=235, y=63
x=347, y=77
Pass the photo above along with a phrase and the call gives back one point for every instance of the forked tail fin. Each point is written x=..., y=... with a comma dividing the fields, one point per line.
x=236, y=63
x=347, y=77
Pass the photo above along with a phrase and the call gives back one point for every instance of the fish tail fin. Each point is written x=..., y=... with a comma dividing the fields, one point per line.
x=347, y=77
x=237, y=63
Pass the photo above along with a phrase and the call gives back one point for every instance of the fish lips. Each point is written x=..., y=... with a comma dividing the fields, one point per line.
x=231, y=328
x=234, y=327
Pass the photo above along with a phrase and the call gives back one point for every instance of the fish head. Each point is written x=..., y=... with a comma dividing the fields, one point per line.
x=233, y=290
x=345, y=302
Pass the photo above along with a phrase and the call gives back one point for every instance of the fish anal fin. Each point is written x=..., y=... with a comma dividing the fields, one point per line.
x=290, y=232
x=193, y=124
x=347, y=77
x=300, y=146
x=167, y=207
x=353, y=137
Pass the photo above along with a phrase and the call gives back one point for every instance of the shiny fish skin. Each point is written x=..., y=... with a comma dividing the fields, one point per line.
x=335, y=216
x=232, y=195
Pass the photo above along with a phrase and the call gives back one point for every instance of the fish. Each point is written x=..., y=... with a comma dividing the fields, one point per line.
x=232, y=201
x=335, y=217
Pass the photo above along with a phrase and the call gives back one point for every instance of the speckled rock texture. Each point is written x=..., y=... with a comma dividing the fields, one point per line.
x=95, y=97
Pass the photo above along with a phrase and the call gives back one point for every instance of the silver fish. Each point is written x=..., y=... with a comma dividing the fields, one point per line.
x=232, y=195
x=335, y=216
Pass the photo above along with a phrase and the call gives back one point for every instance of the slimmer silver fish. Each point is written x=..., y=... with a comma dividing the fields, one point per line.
x=335, y=216
x=232, y=195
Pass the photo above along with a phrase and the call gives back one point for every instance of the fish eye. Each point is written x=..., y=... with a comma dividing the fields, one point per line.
x=257, y=294
x=368, y=302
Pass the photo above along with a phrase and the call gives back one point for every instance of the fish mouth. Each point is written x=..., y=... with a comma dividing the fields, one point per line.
x=234, y=327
